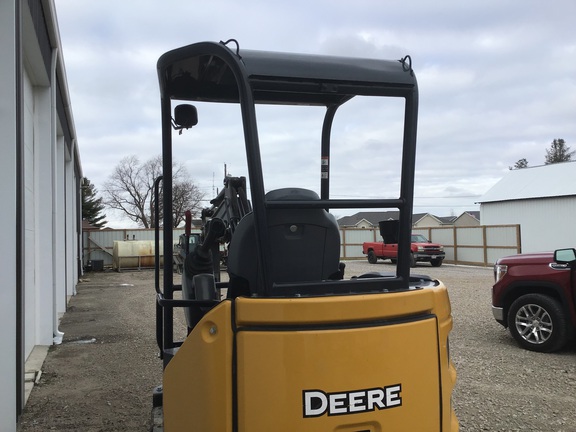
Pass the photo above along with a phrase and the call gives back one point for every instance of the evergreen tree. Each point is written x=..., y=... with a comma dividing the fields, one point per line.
x=520, y=163
x=558, y=152
x=91, y=205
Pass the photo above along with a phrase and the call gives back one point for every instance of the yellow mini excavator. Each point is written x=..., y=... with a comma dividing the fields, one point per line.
x=294, y=345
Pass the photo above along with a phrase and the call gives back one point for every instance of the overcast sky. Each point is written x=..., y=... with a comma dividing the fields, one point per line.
x=497, y=82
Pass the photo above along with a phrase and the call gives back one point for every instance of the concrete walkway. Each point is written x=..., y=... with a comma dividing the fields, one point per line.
x=101, y=377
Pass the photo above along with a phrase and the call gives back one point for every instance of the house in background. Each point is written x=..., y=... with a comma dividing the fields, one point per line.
x=41, y=176
x=419, y=220
x=468, y=218
x=366, y=219
x=541, y=199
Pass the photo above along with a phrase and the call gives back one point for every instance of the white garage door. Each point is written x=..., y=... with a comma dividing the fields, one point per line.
x=29, y=218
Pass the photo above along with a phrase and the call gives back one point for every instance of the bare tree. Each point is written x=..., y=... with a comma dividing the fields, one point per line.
x=130, y=189
x=558, y=152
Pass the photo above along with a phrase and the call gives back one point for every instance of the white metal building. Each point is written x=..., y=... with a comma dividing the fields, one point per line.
x=541, y=199
x=40, y=176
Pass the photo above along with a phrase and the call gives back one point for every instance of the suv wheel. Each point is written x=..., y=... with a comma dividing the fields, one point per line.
x=537, y=322
x=372, y=258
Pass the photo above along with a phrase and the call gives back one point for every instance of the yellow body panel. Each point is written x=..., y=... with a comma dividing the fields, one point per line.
x=197, y=382
x=375, y=362
x=275, y=368
x=333, y=309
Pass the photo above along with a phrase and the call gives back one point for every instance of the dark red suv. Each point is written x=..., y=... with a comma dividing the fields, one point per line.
x=534, y=296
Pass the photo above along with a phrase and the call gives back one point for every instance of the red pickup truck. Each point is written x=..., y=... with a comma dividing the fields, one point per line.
x=534, y=295
x=422, y=251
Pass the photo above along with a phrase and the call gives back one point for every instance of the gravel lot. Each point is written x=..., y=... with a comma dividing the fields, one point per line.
x=102, y=376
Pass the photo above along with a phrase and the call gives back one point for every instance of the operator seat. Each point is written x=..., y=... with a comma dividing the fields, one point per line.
x=305, y=245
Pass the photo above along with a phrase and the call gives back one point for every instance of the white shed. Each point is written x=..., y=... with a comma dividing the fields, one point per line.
x=40, y=174
x=541, y=199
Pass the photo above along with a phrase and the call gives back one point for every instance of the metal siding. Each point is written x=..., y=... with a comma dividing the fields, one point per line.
x=140, y=235
x=544, y=222
x=449, y=251
x=29, y=219
x=471, y=255
x=70, y=216
x=359, y=236
x=501, y=236
x=470, y=246
x=442, y=235
x=11, y=367
x=104, y=239
x=45, y=214
x=351, y=240
x=61, y=260
x=445, y=236
x=353, y=251
x=494, y=254
x=470, y=236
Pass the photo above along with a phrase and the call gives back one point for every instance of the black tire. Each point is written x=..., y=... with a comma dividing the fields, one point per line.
x=372, y=258
x=393, y=260
x=412, y=260
x=437, y=262
x=538, y=323
x=177, y=268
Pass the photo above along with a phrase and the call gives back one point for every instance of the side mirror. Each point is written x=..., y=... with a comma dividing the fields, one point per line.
x=185, y=117
x=565, y=256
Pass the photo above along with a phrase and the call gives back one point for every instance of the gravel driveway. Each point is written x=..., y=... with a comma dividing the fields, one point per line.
x=500, y=387
x=101, y=378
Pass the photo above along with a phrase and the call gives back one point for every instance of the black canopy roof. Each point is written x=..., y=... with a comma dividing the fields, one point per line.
x=210, y=71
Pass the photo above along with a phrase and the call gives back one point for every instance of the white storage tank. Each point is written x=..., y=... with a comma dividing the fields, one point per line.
x=134, y=254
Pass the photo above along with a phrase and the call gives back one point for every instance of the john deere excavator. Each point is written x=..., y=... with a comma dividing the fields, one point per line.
x=294, y=345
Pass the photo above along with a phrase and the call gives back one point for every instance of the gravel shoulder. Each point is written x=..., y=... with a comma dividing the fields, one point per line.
x=101, y=377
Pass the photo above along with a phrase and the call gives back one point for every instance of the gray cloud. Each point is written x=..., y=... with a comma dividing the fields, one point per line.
x=497, y=83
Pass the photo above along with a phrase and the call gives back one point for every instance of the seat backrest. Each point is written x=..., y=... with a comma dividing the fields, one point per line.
x=305, y=245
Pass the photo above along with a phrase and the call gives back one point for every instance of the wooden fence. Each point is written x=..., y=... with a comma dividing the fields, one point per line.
x=475, y=245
